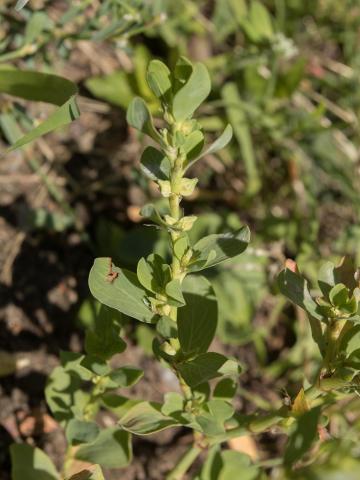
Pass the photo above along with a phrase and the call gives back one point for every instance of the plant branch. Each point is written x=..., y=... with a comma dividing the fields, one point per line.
x=185, y=463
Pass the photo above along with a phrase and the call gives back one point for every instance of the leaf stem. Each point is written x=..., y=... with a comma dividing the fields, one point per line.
x=185, y=463
x=68, y=461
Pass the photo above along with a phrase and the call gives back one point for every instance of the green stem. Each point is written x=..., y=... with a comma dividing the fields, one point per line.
x=176, y=272
x=68, y=460
x=175, y=212
x=333, y=331
x=185, y=463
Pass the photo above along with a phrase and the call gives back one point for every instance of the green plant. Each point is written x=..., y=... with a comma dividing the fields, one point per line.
x=182, y=306
x=169, y=294
x=334, y=317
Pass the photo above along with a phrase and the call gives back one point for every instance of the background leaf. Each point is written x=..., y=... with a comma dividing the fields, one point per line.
x=41, y=87
x=31, y=464
x=20, y=4
x=303, y=436
x=239, y=121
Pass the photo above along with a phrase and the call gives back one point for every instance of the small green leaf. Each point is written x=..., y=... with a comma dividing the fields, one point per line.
x=173, y=403
x=126, y=376
x=295, y=287
x=350, y=341
x=155, y=275
x=124, y=293
x=225, y=389
x=341, y=377
x=62, y=392
x=193, y=146
x=192, y=94
x=111, y=449
x=224, y=246
x=220, y=409
x=145, y=418
x=96, y=365
x=327, y=278
x=213, y=416
x=72, y=363
x=79, y=431
x=29, y=463
x=209, y=425
x=139, y=116
x=207, y=366
x=155, y=165
x=339, y=295
x=150, y=273
x=118, y=404
x=182, y=71
x=303, y=437
x=159, y=80
x=261, y=21
x=197, y=320
x=166, y=327
x=174, y=293
x=219, y=144
x=181, y=246
x=115, y=88
x=151, y=212
x=38, y=22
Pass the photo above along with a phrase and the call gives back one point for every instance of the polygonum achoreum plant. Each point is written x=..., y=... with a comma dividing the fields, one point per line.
x=170, y=295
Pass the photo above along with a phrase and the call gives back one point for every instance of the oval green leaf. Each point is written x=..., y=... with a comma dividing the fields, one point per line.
x=192, y=94
x=121, y=291
x=217, y=248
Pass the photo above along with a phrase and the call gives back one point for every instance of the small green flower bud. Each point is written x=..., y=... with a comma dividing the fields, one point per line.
x=169, y=220
x=186, y=223
x=187, y=186
x=167, y=348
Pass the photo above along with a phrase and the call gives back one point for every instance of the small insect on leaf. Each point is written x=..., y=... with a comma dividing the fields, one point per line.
x=111, y=276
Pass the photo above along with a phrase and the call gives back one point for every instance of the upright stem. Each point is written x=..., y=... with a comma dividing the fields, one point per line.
x=333, y=331
x=176, y=273
x=68, y=461
x=175, y=212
